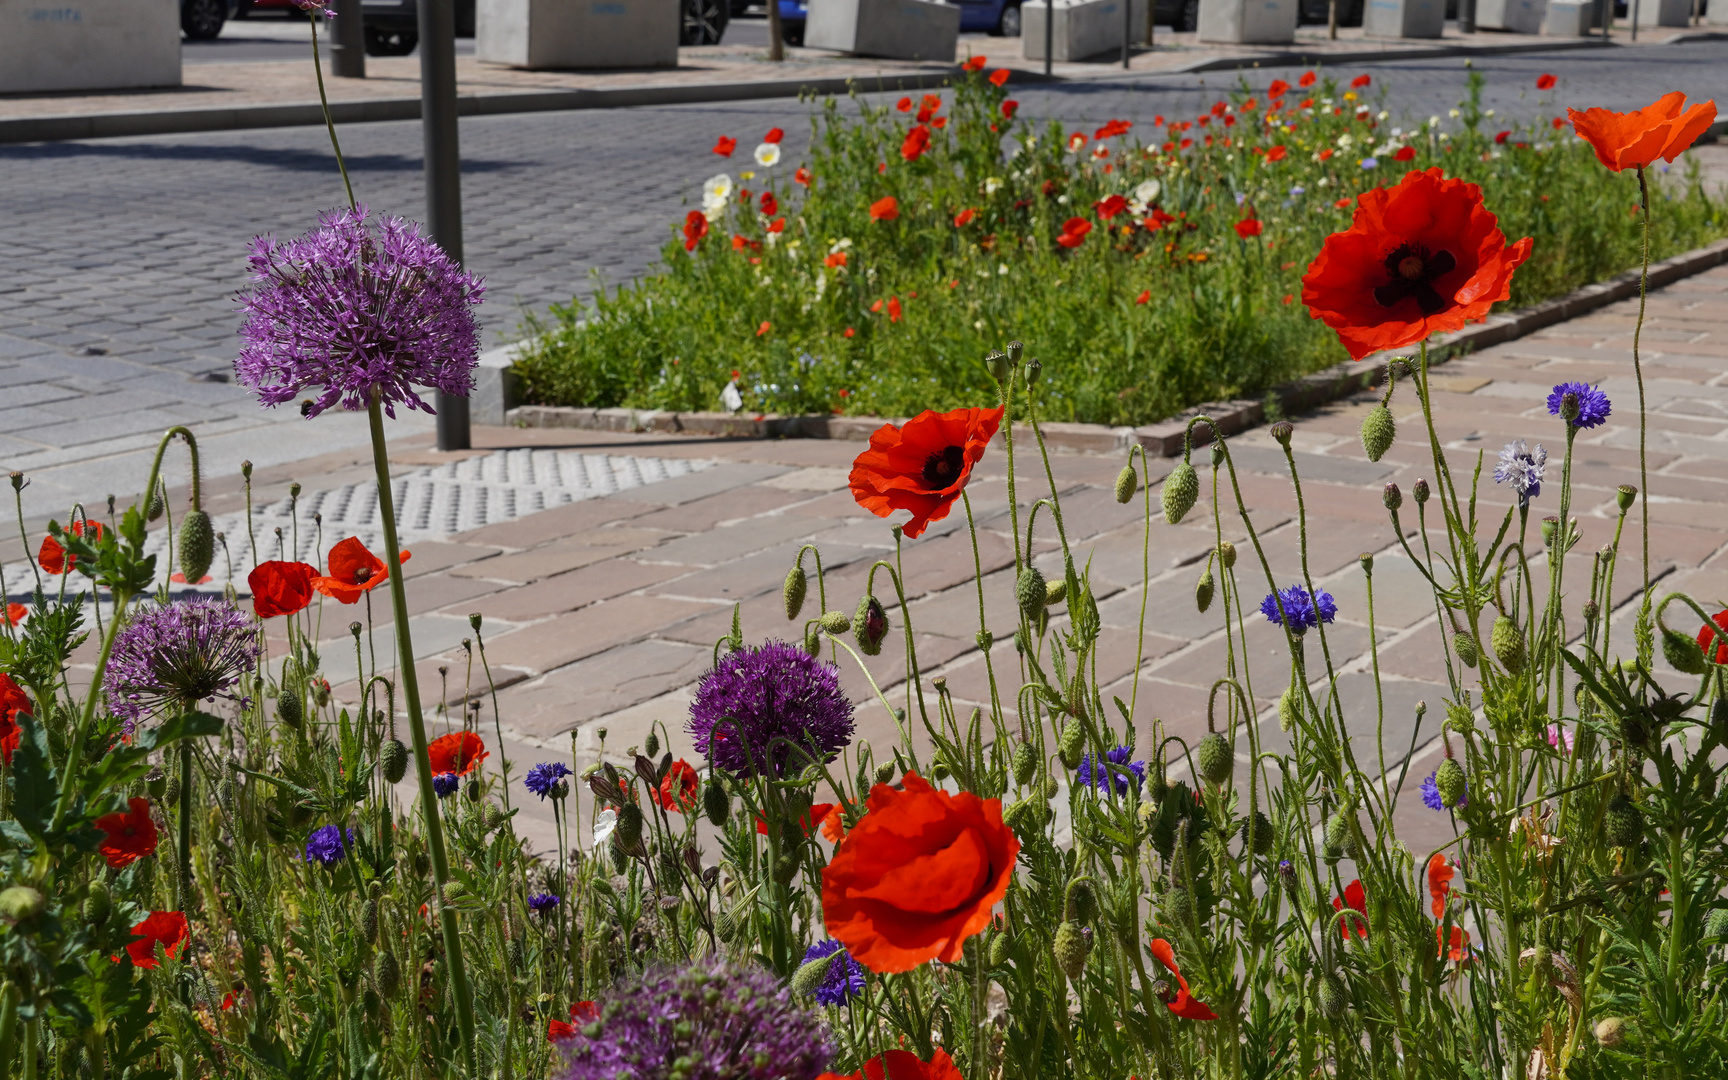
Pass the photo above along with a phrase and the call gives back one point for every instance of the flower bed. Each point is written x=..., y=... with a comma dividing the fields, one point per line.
x=1152, y=273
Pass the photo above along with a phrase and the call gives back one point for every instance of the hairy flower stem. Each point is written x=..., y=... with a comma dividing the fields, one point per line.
x=417, y=729
x=1638, y=373
x=183, y=856
x=324, y=103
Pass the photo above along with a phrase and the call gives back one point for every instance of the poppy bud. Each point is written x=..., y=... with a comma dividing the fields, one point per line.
x=835, y=622
x=387, y=974
x=1014, y=350
x=1003, y=945
x=1378, y=431
x=1227, y=555
x=1079, y=902
x=1203, y=589
x=627, y=834
x=422, y=864
x=225, y=794
x=1287, y=874
x=197, y=546
x=651, y=745
x=1550, y=526
x=1420, y=491
x=155, y=507
x=1449, y=780
x=369, y=921
x=1257, y=833
x=870, y=625
x=1719, y=719
x=290, y=709
x=797, y=584
x=1070, y=948
x=786, y=869
x=1392, y=497
x=1181, y=488
x=1282, y=431
x=885, y=772
x=716, y=803
x=393, y=760
x=1033, y=370
x=1337, y=835
x=1177, y=906
x=1000, y=366
x=98, y=903
x=1682, y=652
x=1056, y=592
x=20, y=903
x=1334, y=999
x=1625, y=496
x=1071, y=744
x=1592, y=611
x=1051, y=787
x=984, y=639
x=1216, y=760
x=1127, y=483
x=939, y=772
x=1508, y=644
x=1289, y=709
x=1025, y=764
x=811, y=974
x=1623, y=823
x=1611, y=1031
x=813, y=639
x=1030, y=592
x=171, y=792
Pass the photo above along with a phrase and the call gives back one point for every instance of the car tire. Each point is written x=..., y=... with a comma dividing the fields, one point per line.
x=202, y=19
x=704, y=22
x=793, y=35
x=1010, y=24
x=381, y=41
x=242, y=9
x=1189, y=21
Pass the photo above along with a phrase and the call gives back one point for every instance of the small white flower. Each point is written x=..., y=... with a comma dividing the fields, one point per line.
x=1433, y=121
x=607, y=820
x=768, y=155
x=835, y=246
x=733, y=400
x=1345, y=140
x=1061, y=200
x=1453, y=113
x=992, y=185
x=978, y=325
x=1002, y=269
x=1384, y=115
x=717, y=187
x=1148, y=190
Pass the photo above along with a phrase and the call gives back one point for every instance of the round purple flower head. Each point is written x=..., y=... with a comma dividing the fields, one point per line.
x=1301, y=612
x=349, y=311
x=1522, y=468
x=542, y=903
x=327, y=846
x=544, y=777
x=1105, y=778
x=737, y=1021
x=445, y=784
x=751, y=704
x=1593, y=404
x=845, y=979
x=172, y=656
x=1431, y=794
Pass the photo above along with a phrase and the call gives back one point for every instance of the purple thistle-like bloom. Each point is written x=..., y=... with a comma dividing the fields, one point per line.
x=1105, y=778
x=327, y=846
x=754, y=697
x=169, y=657
x=1522, y=467
x=543, y=777
x=845, y=979
x=444, y=784
x=1431, y=794
x=1301, y=612
x=1593, y=404
x=737, y=1022
x=348, y=311
x=542, y=903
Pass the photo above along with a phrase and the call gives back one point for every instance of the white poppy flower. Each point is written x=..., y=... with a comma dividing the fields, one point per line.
x=1147, y=191
x=717, y=187
x=768, y=154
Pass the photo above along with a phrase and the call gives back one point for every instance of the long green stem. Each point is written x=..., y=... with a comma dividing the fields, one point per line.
x=1638, y=373
x=329, y=124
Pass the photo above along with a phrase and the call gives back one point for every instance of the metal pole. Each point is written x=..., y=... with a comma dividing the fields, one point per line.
x=1049, y=33
x=443, y=171
x=1128, y=28
x=1634, y=14
x=1467, y=16
x=348, y=41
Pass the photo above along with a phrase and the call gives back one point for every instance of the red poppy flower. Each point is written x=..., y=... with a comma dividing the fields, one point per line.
x=1157, y=220
x=1184, y=1004
x=12, y=702
x=1359, y=82
x=849, y=332
x=584, y=1012
x=52, y=556
x=1404, y=153
x=695, y=228
x=1145, y=297
x=1278, y=88
x=1706, y=634
x=1440, y=875
x=1546, y=82
x=1635, y=140
x=1358, y=901
x=922, y=466
x=774, y=135
x=903, y=1065
x=802, y=176
x=916, y=142
x=886, y=208
x=999, y=77
x=1501, y=137
x=131, y=835
x=1289, y=298
x=819, y=815
x=778, y=225
x=725, y=146
x=1248, y=228
x=558, y=1031
x=457, y=752
x=353, y=571
x=1009, y=108
x=973, y=63
x=893, y=309
x=1109, y=206
x=770, y=205
x=1186, y=143
x=167, y=927
x=14, y=614
x=1074, y=232
x=762, y=331
x=904, y=104
x=1420, y=258
x=281, y=588
x=920, y=873
x=1113, y=129
x=1459, y=949
x=1204, y=121
x=836, y=258
x=1307, y=79
x=1277, y=153
x=964, y=217
x=677, y=790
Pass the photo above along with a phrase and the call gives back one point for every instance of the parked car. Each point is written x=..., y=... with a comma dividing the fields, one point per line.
x=393, y=26
x=704, y=22
x=1319, y=12
x=201, y=20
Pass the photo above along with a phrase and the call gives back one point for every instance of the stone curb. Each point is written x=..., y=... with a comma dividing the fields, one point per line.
x=1165, y=438
x=1299, y=58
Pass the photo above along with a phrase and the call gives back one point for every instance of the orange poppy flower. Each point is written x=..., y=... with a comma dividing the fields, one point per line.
x=167, y=927
x=52, y=556
x=12, y=702
x=1635, y=140
x=280, y=588
x=677, y=790
x=1278, y=88
x=1358, y=901
x=999, y=77
x=903, y=1065
x=1277, y=153
x=131, y=835
x=353, y=571
x=1707, y=634
x=1418, y=259
x=973, y=63
x=886, y=208
x=14, y=614
x=1440, y=874
x=916, y=142
x=964, y=217
x=922, y=466
x=918, y=875
x=1459, y=949
x=1184, y=1004
x=457, y=752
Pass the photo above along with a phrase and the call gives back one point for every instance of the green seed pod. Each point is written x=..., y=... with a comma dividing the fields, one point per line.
x=1611, y=1031
x=1001, y=947
x=1289, y=709
x=1334, y=998
x=1337, y=835
x=197, y=546
x=1025, y=764
x=797, y=584
x=1227, y=555
x=869, y=625
x=1030, y=592
x=1449, y=780
x=1070, y=949
x=1032, y=371
x=1623, y=822
x=1203, y=589
x=835, y=622
x=387, y=973
x=716, y=803
x=1177, y=906
x=1000, y=366
x=1465, y=646
x=289, y=708
x=1127, y=483
x=98, y=904
x=1508, y=644
x=1682, y=652
x=1257, y=833
x=156, y=783
x=1378, y=431
x=1181, y=489
x=1056, y=592
x=393, y=760
x=628, y=832
x=422, y=865
x=1215, y=759
x=810, y=975
x=1071, y=744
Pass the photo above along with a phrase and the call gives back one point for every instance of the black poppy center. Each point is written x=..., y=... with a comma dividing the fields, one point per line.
x=1414, y=270
x=942, y=469
x=362, y=575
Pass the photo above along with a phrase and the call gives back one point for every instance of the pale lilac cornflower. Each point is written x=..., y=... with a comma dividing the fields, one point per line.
x=756, y=705
x=169, y=657
x=1521, y=466
x=351, y=310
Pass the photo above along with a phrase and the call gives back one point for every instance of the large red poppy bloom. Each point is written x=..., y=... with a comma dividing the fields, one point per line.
x=903, y=1065
x=695, y=228
x=922, y=466
x=457, y=752
x=1074, y=232
x=354, y=571
x=1184, y=1004
x=916, y=142
x=1109, y=206
x=281, y=588
x=677, y=790
x=1636, y=139
x=1440, y=873
x=12, y=702
x=918, y=875
x=1708, y=634
x=52, y=556
x=167, y=927
x=1357, y=899
x=130, y=835
x=1421, y=258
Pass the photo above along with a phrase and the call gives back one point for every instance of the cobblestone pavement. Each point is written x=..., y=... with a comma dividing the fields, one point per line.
x=121, y=256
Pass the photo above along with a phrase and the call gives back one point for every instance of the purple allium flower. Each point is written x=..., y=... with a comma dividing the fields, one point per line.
x=1302, y=612
x=845, y=978
x=542, y=903
x=1593, y=404
x=1431, y=793
x=169, y=657
x=543, y=777
x=1522, y=467
x=738, y=1021
x=327, y=846
x=347, y=311
x=756, y=701
x=1105, y=778
x=445, y=784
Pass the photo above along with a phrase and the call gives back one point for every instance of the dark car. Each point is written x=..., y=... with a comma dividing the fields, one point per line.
x=1319, y=12
x=393, y=26
x=704, y=22
x=201, y=20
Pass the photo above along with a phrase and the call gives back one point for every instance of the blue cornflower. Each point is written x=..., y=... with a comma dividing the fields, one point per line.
x=1431, y=794
x=445, y=784
x=327, y=846
x=544, y=777
x=1370, y=163
x=845, y=978
x=1301, y=611
x=1104, y=778
x=541, y=903
x=1593, y=404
